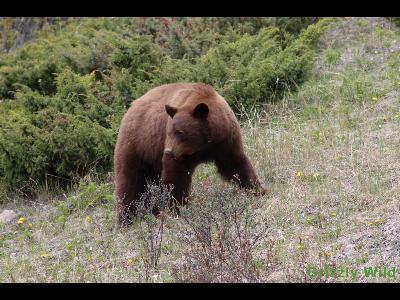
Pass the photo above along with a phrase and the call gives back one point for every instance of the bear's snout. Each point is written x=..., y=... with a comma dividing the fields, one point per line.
x=169, y=152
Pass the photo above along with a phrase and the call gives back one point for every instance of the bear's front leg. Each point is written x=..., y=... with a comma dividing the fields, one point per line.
x=177, y=174
x=235, y=166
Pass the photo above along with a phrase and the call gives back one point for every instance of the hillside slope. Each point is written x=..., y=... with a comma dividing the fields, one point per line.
x=63, y=94
x=330, y=154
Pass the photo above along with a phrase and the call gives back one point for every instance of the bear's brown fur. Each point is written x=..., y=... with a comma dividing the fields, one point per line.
x=166, y=133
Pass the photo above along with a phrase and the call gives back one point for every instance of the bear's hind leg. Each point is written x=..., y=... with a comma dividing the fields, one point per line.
x=128, y=191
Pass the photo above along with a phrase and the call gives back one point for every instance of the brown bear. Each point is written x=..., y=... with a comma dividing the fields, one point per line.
x=166, y=133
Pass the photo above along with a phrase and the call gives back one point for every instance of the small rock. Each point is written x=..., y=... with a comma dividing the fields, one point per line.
x=7, y=216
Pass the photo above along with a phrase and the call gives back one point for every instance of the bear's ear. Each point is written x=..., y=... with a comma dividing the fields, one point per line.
x=170, y=110
x=201, y=111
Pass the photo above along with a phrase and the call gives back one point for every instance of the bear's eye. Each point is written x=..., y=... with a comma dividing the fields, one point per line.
x=180, y=135
x=179, y=132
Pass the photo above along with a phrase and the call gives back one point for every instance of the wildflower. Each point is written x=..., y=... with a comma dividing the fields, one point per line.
x=298, y=174
x=21, y=220
x=30, y=225
x=130, y=262
x=374, y=98
x=376, y=222
x=300, y=246
x=328, y=253
x=333, y=214
x=88, y=219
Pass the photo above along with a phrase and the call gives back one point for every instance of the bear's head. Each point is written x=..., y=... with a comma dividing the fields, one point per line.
x=187, y=131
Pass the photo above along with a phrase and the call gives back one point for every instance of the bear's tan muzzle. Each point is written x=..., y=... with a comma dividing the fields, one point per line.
x=169, y=152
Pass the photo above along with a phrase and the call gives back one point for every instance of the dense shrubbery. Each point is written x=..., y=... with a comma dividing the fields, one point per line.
x=63, y=135
x=65, y=92
x=250, y=71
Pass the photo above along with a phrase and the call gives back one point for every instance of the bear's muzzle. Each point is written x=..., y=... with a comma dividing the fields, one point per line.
x=169, y=152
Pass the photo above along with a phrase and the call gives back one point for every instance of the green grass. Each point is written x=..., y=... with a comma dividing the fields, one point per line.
x=329, y=154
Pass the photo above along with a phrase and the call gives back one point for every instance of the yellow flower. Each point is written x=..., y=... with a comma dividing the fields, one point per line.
x=376, y=222
x=375, y=98
x=300, y=246
x=328, y=253
x=333, y=214
x=130, y=262
x=88, y=218
x=30, y=225
x=21, y=220
x=298, y=174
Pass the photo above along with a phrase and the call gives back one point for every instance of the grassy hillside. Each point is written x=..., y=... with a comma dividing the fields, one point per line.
x=63, y=93
x=329, y=152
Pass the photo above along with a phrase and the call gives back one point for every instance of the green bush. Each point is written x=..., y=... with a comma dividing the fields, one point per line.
x=61, y=136
x=64, y=93
x=248, y=72
x=64, y=147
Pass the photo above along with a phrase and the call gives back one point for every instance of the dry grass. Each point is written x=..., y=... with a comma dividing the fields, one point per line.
x=330, y=154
